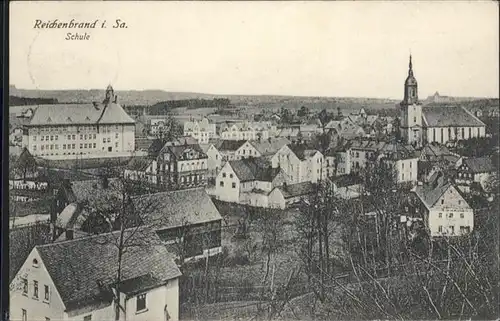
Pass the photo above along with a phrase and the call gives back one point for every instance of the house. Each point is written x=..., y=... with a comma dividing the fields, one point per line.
x=78, y=280
x=248, y=181
x=475, y=169
x=346, y=186
x=438, y=157
x=291, y=133
x=338, y=160
x=187, y=221
x=247, y=131
x=63, y=131
x=443, y=208
x=180, y=163
x=202, y=130
x=261, y=148
x=228, y=148
x=299, y=163
x=362, y=151
x=441, y=124
x=214, y=162
x=288, y=195
x=402, y=159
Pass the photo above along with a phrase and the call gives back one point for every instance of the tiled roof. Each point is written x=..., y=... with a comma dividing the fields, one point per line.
x=270, y=146
x=178, y=151
x=302, y=151
x=139, y=163
x=367, y=145
x=90, y=190
x=230, y=145
x=295, y=190
x=176, y=208
x=431, y=192
x=84, y=269
x=480, y=164
x=396, y=151
x=155, y=147
x=250, y=169
x=346, y=180
x=22, y=240
x=440, y=116
x=67, y=114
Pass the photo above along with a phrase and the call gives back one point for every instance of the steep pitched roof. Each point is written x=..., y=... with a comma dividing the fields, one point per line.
x=440, y=116
x=84, y=269
x=367, y=145
x=431, y=192
x=269, y=146
x=139, y=163
x=250, y=169
x=155, y=147
x=66, y=114
x=296, y=190
x=480, y=164
x=302, y=151
x=396, y=151
x=176, y=208
x=230, y=145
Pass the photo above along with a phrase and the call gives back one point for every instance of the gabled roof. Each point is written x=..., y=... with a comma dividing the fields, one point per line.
x=230, y=145
x=396, y=151
x=178, y=151
x=302, y=151
x=430, y=192
x=296, y=190
x=176, y=208
x=251, y=169
x=480, y=164
x=84, y=269
x=155, y=147
x=269, y=146
x=139, y=163
x=367, y=145
x=64, y=114
x=440, y=116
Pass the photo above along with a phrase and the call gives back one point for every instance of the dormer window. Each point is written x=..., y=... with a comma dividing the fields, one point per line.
x=35, y=263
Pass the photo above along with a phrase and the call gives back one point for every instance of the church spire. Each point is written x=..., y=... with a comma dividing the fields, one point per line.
x=410, y=68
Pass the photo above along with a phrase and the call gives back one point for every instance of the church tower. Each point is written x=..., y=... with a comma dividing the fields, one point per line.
x=411, y=111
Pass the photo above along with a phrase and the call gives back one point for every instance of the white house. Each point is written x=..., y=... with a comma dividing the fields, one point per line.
x=247, y=131
x=403, y=159
x=77, y=280
x=475, y=170
x=288, y=195
x=444, y=209
x=261, y=148
x=201, y=130
x=300, y=163
x=214, y=162
x=67, y=131
x=248, y=181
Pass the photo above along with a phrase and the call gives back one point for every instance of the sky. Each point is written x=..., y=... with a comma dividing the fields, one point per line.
x=341, y=49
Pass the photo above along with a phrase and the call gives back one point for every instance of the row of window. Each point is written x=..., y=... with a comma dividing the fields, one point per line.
x=46, y=296
x=451, y=229
x=233, y=185
x=462, y=132
x=450, y=215
x=192, y=179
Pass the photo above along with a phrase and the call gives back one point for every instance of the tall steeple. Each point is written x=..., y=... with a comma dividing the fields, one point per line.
x=411, y=86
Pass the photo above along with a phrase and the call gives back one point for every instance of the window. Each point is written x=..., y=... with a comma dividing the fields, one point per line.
x=459, y=202
x=230, y=175
x=116, y=135
x=104, y=139
x=221, y=183
x=73, y=137
x=463, y=132
x=57, y=136
x=51, y=137
x=141, y=302
x=25, y=315
x=72, y=146
x=461, y=215
x=25, y=286
x=440, y=215
x=87, y=317
x=34, y=147
x=223, y=174
x=41, y=138
x=69, y=137
x=94, y=145
x=434, y=134
x=35, y=289
x=35, y=262
x=94, y=136
x=442, y=202
x=442, y=134
x=403, y=165
x=81, y=145
x=34, y=138
x=116, y=144
x=109, y=139
x=414, y=119
x=46, y=296
x=85, y=136
x=470, y=132
x=64, y=146
x=81, y=137
x=403, y=176
x=440, y=229
x=452, y=229
x=233, y=185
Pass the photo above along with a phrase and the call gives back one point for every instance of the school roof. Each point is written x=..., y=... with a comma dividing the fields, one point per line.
x=176, y=208
x=440, y=116
x=84, y=269
x=80, y=114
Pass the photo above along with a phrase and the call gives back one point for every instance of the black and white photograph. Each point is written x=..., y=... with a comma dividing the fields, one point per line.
x=253, y=160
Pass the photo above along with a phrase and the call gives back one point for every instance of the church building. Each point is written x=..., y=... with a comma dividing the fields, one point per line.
x=420, y=125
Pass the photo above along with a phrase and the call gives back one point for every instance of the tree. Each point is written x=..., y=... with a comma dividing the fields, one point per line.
x=303, y=111
x=112, y=210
